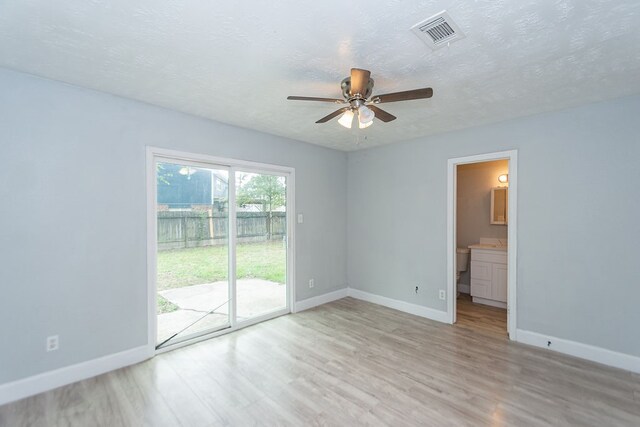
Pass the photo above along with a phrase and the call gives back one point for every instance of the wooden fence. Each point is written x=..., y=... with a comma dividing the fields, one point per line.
x=189, y=228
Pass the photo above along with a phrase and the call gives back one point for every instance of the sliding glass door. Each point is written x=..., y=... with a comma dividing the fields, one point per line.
x=192, y=211
x=222, y=256
x=261, y=250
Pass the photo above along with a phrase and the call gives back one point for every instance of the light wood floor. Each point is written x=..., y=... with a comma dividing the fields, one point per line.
x=481, y=318
x=346, y=363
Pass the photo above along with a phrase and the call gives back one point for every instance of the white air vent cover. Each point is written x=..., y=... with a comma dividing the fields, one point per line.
x=438, y=31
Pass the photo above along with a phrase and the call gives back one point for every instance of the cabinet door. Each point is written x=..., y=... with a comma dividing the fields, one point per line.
x=481, y=288
x=499, y=282
x=481, y=270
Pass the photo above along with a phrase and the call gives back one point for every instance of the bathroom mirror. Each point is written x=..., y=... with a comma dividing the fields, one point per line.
x=499, y=205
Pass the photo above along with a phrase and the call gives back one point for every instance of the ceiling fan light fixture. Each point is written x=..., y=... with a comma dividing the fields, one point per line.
x=187, y=171
x=365, y=125
x=357, y=92
x=346, y=119
x=365, y=116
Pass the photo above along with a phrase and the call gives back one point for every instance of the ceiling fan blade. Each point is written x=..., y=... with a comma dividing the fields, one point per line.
x=359, y=81
x=381, y=114
x=332, y=115
x=426, y=92
x=312, y=98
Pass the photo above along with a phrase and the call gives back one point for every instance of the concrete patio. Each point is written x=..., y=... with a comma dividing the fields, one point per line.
x=254, y=297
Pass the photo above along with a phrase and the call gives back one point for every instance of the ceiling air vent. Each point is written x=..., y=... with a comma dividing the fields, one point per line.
x=438, y=31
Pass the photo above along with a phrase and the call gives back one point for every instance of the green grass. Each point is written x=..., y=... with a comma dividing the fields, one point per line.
x=165, y=306
x=185, y=267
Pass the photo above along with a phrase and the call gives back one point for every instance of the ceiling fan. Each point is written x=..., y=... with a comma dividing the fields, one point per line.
x=357, y=90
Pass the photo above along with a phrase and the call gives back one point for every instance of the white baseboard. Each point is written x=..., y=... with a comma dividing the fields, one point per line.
x=492, y=303
x=46, y=381
x=583, y=351
x=308, y=303
x=30, y=386
x=407, y=307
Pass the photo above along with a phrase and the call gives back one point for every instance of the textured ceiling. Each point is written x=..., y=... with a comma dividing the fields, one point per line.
x=236, y=61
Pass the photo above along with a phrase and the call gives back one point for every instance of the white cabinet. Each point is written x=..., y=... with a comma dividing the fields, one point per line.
x=489, y=277
x=499, y=282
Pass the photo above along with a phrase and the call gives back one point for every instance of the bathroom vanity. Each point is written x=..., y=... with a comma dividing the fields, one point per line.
x=489, y=273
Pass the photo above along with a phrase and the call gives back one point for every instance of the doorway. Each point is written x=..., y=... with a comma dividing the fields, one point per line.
x=220, y=245
x=482, y=291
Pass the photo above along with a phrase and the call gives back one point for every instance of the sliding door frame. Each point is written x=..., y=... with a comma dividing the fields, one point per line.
x=153, y=154
x=290, y=220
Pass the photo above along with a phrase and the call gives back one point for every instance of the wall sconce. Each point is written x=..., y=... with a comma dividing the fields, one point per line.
x=504, y=178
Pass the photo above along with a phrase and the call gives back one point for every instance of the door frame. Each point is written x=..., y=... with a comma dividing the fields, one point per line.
x=512, y=251
x=232, y=165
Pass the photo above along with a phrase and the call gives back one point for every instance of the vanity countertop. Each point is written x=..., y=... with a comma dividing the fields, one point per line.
x=489, y=246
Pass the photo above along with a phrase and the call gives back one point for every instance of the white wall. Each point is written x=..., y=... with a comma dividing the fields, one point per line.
x=578, y=228
x=473, y=205
x=72, y=210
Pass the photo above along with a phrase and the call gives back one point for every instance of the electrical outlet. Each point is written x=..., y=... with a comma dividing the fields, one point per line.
x=300, y=218
x=312, y=283
x=53, y=343
x=443, y=294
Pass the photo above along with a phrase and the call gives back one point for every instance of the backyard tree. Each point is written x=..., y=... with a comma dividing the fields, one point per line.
x=265, y=190
x=163, y=174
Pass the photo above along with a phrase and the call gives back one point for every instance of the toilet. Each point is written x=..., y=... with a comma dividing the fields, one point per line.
x=462, y=263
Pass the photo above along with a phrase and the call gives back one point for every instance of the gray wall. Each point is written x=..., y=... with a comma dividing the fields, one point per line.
x=578, y=228
x=83, y=277
x=473, y=205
